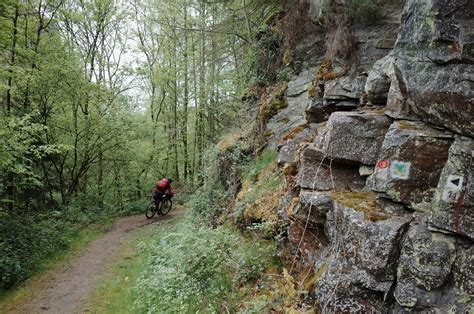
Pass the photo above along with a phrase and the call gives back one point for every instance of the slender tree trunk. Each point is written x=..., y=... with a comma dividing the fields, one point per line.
x=12, y=60
x=196, y=113
x=175, y=111
x=186, y=97
x=202, y=90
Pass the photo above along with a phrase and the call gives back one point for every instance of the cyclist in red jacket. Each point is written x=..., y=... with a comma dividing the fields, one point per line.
x=163, y=187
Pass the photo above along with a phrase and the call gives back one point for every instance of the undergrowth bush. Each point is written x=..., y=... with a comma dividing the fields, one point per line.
x=195, y=268
x=221, y=180
x=136, y=207
x=253, y=169
x=28, y=239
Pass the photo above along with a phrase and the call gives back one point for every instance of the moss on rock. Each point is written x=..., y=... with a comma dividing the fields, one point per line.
x=272, y=101
x=361, y=201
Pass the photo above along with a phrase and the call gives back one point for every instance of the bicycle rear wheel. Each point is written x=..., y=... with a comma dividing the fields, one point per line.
x=166, y=206
x=150, y=210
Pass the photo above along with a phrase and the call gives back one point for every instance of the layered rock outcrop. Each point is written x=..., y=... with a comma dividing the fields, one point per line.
x=383, y=188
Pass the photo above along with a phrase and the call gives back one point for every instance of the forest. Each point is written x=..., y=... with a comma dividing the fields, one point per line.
x=100, y=99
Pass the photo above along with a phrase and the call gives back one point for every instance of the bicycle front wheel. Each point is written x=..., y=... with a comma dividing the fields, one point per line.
x=166, y=206
x=150, y=210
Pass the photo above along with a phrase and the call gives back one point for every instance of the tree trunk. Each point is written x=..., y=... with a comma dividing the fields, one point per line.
x=186, y=97
x=12, y=60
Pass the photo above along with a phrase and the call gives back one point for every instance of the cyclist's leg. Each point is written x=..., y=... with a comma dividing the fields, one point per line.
x=159, y=203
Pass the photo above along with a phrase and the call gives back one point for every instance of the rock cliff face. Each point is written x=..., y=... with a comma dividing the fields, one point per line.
x=384, y=154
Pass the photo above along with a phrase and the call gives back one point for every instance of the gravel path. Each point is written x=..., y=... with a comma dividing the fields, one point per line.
x=68, y=289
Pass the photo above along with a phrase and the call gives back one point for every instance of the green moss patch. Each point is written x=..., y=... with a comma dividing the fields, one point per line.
x=272, y=101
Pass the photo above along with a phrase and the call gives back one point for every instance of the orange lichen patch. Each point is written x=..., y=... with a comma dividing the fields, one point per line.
x=293, y=204
x=292, y=133
x=228, y=141
x=312, y=91
x=325, y=71
x=455, y=47
x=361, y=201
x=263, y=209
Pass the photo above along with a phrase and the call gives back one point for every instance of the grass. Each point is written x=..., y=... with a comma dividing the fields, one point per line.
x=17, y=296
x=115, y=294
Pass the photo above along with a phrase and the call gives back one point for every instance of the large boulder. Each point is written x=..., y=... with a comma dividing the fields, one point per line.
x=378, y=82
x=439, y=94
x=345, y=87
x=355, y=136
x=289, y=145
x=440, y=31
x=432, y=72
x=463, y=269
x=453, y=206
x=339, y=290
x=318, y=172
x=425, y=262
x=371, y=245
x=410, y=163
x=375, y=37
x=361, y=269
x=300, y=83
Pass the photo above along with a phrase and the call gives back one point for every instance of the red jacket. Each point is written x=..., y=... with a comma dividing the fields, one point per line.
x=163, y=187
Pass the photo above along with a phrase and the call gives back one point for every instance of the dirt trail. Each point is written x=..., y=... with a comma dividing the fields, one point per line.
x=67, y=290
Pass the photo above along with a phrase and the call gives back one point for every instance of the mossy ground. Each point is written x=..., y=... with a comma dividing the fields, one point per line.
x=228, y=142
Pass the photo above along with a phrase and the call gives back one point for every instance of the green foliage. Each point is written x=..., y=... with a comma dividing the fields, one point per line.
x=20, y=149
x=206, y=201
x=27, y=240
x=76, y=148
x=196, y=268
x=253, y=169
x=135, y=207
x=221, y=179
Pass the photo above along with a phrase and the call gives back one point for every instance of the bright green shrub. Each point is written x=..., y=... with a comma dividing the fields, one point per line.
x=196, y=268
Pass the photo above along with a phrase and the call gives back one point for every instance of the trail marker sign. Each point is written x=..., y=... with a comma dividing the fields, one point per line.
x=452, y=188
x=381, y=171
x=400, y=169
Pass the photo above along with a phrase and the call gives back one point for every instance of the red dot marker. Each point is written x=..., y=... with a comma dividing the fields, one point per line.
x=382, y=164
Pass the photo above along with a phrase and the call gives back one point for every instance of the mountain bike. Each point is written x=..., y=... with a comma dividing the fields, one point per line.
x=160, y=207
